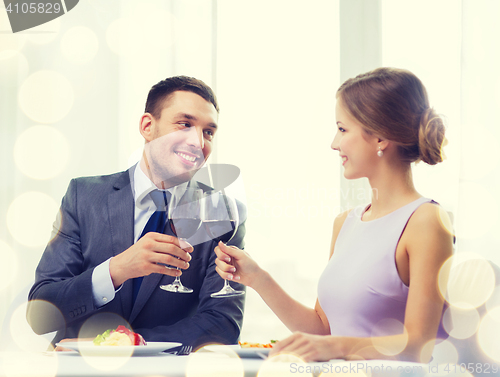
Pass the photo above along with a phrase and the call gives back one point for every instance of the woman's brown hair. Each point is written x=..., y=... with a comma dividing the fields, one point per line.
x=393, y=104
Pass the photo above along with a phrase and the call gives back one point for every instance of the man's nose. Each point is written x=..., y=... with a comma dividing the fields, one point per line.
x=195, y=137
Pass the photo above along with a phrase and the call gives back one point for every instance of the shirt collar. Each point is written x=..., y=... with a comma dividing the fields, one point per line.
x=143, y=186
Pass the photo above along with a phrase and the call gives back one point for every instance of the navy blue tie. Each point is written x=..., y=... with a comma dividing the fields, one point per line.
x=156, y=223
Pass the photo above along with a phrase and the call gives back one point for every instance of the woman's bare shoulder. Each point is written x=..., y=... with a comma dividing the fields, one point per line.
x=430, y=225
x=430, y=215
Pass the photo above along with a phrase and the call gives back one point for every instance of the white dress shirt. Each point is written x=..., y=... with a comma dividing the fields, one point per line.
x=102, y=285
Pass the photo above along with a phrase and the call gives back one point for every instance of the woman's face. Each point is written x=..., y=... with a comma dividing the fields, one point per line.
x=356, y=147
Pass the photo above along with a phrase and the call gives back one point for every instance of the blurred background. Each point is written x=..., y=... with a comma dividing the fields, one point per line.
x=72, y=92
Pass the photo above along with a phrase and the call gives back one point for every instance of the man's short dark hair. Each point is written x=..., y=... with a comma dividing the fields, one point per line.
x=160, y=92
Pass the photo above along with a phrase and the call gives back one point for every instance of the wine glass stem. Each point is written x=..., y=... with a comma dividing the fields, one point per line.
x=177, y=279
x=226, y=284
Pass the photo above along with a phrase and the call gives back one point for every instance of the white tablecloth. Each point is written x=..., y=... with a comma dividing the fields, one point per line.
x=197, y=364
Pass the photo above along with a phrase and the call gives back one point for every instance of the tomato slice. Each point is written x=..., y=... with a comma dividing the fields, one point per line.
x=139, y=340
x=135, y=338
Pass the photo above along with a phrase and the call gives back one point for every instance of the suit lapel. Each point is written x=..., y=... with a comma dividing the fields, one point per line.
x=121, y=218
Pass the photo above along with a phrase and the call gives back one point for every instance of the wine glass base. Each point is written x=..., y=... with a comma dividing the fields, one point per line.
x=176, y=288
x=227, y=292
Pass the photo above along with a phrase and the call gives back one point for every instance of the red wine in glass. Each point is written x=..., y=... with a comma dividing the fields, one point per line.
x=184, y=219
x=220, y=230
x=184, y=227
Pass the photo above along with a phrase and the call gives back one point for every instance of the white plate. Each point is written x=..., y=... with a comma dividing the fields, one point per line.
x=253, y=353
x=87, y=348
x=246, y=353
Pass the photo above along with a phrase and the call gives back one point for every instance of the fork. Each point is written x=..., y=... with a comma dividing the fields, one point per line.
x=185, y=350
x=180, y=350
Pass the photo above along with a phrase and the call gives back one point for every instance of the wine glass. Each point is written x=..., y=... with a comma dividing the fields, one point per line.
x=184, y=219
x=220, y=219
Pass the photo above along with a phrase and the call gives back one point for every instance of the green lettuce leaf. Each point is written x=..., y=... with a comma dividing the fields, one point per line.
x=102, y=337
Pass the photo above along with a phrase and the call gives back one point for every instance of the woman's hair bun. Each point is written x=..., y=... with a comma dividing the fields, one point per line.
x=431, y=137
x=392, y=103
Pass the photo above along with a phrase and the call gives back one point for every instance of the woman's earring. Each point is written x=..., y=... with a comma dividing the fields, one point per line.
x=380, y=152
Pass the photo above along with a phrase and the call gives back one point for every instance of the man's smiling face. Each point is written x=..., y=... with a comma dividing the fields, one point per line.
x=180, y=140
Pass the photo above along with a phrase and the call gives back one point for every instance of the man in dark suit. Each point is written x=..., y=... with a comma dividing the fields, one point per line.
x=84, y=280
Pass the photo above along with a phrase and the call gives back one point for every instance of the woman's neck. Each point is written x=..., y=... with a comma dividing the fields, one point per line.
x=391, y=189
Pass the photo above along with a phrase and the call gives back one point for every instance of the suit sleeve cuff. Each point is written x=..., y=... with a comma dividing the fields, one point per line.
x=102, y=286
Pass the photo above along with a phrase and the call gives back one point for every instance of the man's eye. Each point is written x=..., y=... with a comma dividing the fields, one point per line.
x=209, y=133
x=184, y=124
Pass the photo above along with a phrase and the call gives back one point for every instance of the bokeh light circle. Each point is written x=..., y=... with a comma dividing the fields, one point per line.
x=30, y=217
x=488, y=334
x=466, y=280
x=443, y=353
x=79, y=45
x=445, y=220
x=22, y=334
x=9, y=266
x=494, y=300
x=41, y=152
x=97, y=324
x=461, y=323
x=214, y=361
x=115, y=36
x=100, y=322
x=385, y=346
x=44, y=317
x=105, y=364
x=46, y=96
x=13, y=69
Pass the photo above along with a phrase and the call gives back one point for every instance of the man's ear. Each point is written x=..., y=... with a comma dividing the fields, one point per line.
x=146, y=126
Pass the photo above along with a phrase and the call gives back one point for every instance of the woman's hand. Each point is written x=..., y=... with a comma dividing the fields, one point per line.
x=64, y=349
x=309, y=347
x=236, y=265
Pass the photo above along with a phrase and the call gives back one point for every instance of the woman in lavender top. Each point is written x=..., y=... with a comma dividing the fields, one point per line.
x=378, y=296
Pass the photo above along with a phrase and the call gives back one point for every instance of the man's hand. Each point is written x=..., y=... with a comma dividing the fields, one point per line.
x=147, y=255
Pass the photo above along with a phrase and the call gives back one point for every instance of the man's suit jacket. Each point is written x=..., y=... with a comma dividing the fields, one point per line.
x=96, y=222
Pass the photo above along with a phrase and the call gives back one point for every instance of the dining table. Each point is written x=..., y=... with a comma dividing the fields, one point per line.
x=215, y=361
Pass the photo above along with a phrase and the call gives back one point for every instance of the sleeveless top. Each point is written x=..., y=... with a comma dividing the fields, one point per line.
x=360, y=286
